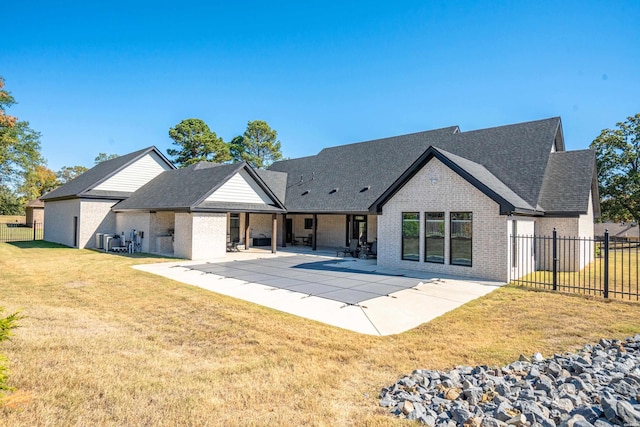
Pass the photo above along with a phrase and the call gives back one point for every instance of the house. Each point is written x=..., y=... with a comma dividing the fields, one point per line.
x=77, y=210
x=618, y=230
x=34, y=212
x=444, y=200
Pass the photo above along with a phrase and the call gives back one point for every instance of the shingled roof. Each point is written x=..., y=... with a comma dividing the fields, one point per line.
x=349, y=178
x=569, y=178
x=186, y=190
x=82, y=185
x=510, y=161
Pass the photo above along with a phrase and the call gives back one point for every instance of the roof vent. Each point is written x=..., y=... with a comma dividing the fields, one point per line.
x=335, y=190
x=365, y=188
x=305, y=193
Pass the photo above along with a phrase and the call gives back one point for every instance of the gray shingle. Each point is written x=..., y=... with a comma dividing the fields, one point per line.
x=276, y=181
x=348, y=169
x=568, y=181
x=515, y=155
x=490, y=181
x=82, y=184
x=184, y=189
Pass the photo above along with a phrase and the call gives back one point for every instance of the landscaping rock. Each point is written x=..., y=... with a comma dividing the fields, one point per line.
x=598, y=386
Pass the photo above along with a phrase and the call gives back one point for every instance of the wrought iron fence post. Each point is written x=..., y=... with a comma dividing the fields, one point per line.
x=606, y=264
x=554, y=255
x=34, y=230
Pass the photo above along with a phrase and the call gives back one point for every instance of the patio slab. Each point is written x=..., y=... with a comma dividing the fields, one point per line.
x=350, y=294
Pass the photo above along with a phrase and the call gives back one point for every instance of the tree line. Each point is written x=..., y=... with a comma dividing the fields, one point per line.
x=24, y=174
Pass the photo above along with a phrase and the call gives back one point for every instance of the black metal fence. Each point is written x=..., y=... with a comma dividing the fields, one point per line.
x=600, y=266
x=21, y=232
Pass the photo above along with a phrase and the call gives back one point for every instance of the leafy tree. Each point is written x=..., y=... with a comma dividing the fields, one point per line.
x=38, y=181
x=6, y=101
x=237, y=148
x=258, y=146
x=101, y=157
x=197, y=143
x=10, y=203
x=6, y=325
x=67, y=173
x=618, y=159
x=19, y=152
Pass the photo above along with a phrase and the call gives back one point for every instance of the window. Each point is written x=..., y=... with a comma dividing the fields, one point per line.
x=308, y=223
x=461, y=233
x=411, y=236
x=434, y=237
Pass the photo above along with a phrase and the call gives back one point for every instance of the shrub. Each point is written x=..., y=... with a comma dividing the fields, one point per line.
x=6, y=325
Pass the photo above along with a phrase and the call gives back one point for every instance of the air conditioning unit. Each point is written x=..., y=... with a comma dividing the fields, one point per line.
x=99, y=240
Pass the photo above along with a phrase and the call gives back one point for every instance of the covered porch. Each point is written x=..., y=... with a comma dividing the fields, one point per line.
x=327, y=230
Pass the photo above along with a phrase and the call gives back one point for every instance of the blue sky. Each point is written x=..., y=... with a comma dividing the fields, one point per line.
x=114, y=76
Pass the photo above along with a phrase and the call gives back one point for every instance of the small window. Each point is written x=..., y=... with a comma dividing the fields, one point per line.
x=434, y=237
x=461, y=238
x=411, y=236
x=308, y=223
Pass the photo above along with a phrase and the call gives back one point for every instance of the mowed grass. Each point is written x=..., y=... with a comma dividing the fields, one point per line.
x=624, y=277
x=104, y=344
x=16, y=234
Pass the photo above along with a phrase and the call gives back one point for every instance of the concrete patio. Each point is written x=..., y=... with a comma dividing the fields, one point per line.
x=346, y=292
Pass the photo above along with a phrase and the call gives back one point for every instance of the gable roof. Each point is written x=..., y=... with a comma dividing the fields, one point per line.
x=186, y=189
x=615, y=229
x=569, y=178
x=474, y=173
x=349, y=178
x=508, y=160
x=276, y=181
x=35, y=203
x=82, y=185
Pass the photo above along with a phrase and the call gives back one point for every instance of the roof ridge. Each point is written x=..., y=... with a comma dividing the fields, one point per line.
x=453, y=128
x=511, y=125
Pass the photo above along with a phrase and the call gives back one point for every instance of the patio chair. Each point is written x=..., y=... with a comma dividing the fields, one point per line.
x=309, y=241
x=372, y=252
x=231, y=246
x=351, y=249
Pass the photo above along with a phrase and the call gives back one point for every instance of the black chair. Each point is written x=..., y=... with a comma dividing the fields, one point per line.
x=372, y=252
x=309, y=240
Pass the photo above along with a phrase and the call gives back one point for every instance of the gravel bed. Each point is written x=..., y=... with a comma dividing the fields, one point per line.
x=597, y=386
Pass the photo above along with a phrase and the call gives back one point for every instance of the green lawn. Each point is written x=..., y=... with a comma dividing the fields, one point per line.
x=624, y=277
x=10, y=233
x=104, y=344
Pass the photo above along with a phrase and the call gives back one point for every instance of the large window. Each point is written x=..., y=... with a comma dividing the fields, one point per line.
x=411, y=236
x=461, y=238
x=434, y=237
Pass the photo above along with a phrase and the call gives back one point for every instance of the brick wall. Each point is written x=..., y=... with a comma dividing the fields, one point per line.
x=95, y=217
x=58, y=221
x=436, y=188
x=200, y=235
x=572, y=255
x=139, y=221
